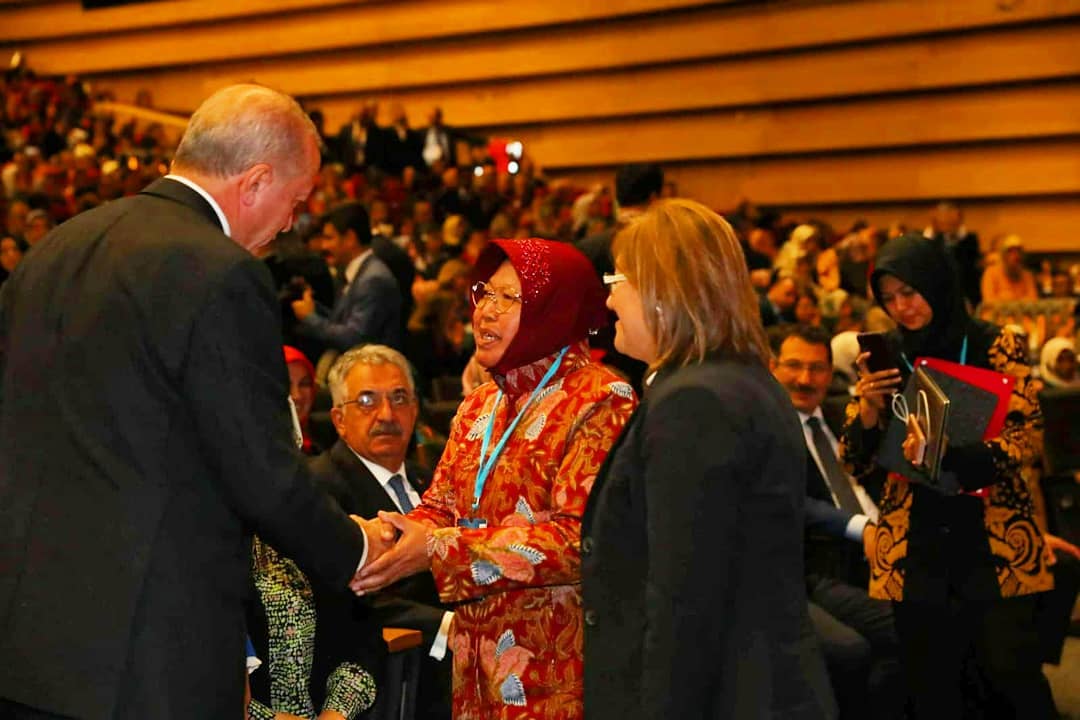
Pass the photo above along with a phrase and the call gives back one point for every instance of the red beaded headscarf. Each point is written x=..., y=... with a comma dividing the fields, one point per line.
x=292, y=355
x=561, y=297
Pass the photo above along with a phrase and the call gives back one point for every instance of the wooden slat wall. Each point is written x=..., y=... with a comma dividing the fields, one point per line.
x=833, y=108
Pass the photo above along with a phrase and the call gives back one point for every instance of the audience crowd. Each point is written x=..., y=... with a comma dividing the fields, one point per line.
x=384, y=249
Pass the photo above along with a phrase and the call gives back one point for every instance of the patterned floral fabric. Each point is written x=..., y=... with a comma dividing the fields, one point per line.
x=1015, y=541
x=517, y=638
x=290, y=619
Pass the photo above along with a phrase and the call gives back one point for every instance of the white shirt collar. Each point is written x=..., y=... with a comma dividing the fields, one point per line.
x=381, y=474
x=803, y=417
x=225, y=228
x=354, y=266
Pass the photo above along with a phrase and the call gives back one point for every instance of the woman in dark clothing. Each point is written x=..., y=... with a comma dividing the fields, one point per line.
x=692, y=541
x=963, y=570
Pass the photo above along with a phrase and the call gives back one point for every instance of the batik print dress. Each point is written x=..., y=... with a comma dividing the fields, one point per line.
x=1020, y=557
x=517, y=636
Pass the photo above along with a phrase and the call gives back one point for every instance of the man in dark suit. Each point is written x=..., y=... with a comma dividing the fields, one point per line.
x=145, y=433
x=375, y=410
x=368, y=309
x=857, y=633
x=636, y=187
x=361, y=143
x=403, y=144
x=947, y=227
x=438, y=141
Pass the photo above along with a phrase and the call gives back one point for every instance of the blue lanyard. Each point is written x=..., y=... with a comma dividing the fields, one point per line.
x=963, y=356
x=487, y=465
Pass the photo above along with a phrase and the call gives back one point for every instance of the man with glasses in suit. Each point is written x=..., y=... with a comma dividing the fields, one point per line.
x=856, y=632
x=375, y=411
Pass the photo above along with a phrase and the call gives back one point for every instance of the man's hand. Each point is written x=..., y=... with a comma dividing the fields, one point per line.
x=304, y=306
x=1057, y=545
x=408, y=557
x=380, y=537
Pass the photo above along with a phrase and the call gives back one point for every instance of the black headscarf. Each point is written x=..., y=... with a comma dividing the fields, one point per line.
x=923, y=264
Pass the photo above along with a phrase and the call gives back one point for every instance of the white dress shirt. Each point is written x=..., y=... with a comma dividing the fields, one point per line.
x=225, y=228
x=352, y=269
x=857, y=523
x=382, y=475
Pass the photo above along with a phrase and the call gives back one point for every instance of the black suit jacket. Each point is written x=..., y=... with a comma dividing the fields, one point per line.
x=144, y=433
x=412, y=602
x=828, y=552
x=692, y=568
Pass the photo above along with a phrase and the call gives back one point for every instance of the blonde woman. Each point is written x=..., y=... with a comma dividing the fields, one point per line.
x=691, y=545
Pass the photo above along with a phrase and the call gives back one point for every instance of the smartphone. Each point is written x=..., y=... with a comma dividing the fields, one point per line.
x=880, y=357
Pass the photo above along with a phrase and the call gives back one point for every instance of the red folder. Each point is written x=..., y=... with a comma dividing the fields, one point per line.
x=998, y=383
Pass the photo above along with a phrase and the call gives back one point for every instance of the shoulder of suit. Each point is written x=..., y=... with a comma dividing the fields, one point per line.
x=157, y=238
x=724, y=378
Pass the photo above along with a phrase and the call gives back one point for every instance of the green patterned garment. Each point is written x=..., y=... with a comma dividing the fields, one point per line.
x=290, y=619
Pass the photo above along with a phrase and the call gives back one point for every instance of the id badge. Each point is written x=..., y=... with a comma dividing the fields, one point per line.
x=475, y=523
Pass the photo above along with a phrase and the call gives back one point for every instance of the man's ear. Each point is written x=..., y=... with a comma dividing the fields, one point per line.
x=337, y=416
x=255, y=180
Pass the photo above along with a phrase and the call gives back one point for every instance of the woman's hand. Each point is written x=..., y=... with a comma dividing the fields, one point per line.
x=872, y=389
x=1057, y=545
x=914, y=445
x=408, y=557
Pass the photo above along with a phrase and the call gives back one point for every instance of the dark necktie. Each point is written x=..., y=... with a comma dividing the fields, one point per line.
x=834, y=474
x=397, y=484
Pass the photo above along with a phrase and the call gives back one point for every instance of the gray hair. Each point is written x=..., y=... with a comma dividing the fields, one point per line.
x=365, y=355
x=242, y=125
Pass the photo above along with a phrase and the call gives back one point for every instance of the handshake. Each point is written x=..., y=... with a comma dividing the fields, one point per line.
x=396, y=548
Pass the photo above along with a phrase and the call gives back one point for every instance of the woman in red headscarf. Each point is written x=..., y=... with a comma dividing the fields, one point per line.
x=499, y=527
x=302, y=393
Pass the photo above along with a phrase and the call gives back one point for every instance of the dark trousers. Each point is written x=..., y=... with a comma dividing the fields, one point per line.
x=858, y=638
x=1000, y=639
x=15, y=711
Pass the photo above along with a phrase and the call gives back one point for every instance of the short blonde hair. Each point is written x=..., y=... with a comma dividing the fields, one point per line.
x=691, y=273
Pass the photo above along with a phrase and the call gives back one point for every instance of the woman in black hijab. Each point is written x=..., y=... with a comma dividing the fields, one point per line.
x=964, y=570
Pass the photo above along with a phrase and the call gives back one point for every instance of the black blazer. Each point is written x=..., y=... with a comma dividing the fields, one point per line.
x=412, y=602
x=692, y=568
x=144, y=433
x=828, y=552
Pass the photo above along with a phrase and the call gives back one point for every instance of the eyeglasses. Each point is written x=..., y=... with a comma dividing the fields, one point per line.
x=796, y=367
x=503, y=298
x=371, y=400
x=613, y=278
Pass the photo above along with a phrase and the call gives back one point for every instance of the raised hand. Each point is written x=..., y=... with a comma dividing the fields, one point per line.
x=408, y=557
x=872, y=389
x=1059, y=545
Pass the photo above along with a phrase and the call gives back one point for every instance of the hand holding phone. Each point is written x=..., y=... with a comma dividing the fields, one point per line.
x=880, y=357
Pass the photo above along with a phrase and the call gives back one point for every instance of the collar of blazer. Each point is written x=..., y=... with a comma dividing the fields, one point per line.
x=350, y=466
x=181, y=193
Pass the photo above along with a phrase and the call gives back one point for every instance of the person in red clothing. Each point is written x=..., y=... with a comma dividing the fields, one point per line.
x=501, y=522
x=302, y=393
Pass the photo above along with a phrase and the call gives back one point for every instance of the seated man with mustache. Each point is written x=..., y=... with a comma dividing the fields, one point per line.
x=375, y=410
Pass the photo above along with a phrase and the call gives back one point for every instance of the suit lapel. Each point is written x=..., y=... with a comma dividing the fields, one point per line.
x=181, y=193
x=363, y=487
